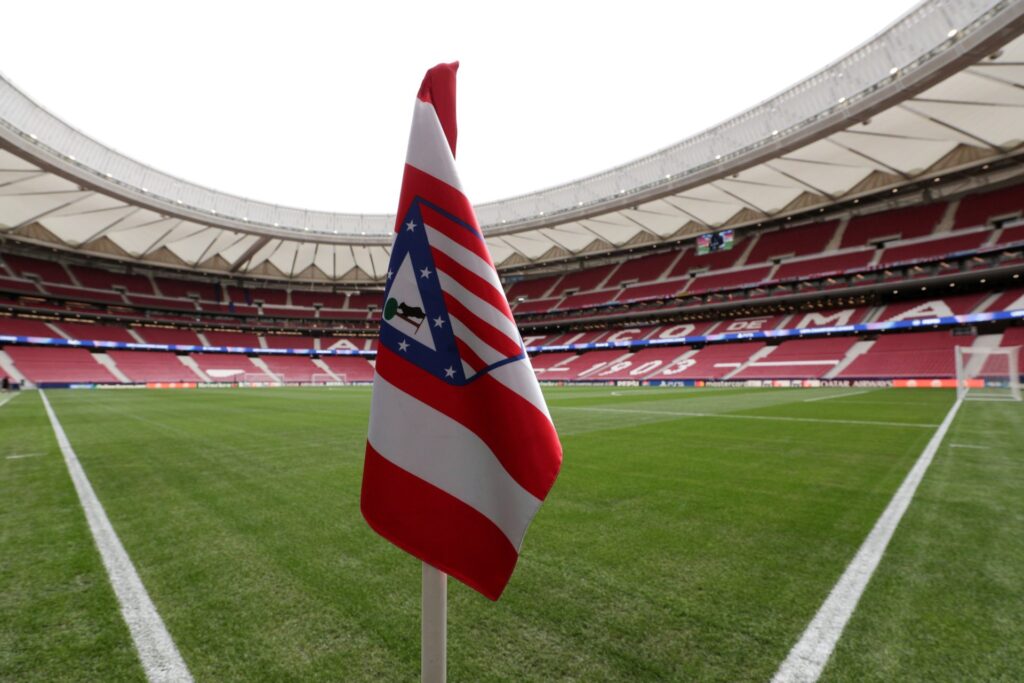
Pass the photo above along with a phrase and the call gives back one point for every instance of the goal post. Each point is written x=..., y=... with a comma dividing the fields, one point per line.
x=336, y=379
x=260, y=379
x=990, y=374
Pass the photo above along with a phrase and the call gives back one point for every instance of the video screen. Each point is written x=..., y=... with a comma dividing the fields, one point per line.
x=714, y=241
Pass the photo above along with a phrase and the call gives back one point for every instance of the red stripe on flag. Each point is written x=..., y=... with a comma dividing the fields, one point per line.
x=472, y=282
x=520, y=436
x=463, y=236
x=469, y=356
x=438, y=88
x=489, y=334
x=416, y=183
x=436, y=527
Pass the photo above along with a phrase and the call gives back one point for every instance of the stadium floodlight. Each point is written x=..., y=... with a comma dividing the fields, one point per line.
x=988, y=374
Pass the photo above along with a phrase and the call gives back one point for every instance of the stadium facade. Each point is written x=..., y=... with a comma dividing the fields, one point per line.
x=868, y=220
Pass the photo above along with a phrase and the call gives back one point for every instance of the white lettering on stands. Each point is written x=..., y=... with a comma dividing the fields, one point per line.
x=929, y=309
x=833, y=319
x=751, y=325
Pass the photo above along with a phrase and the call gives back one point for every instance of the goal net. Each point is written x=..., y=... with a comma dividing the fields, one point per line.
x=259, y=379
x=325, y=380
x=989, y=374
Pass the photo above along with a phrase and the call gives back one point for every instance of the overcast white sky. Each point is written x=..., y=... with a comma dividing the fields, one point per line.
x=309, y=104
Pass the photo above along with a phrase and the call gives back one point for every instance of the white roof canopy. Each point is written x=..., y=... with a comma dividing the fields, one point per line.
x=940, y=89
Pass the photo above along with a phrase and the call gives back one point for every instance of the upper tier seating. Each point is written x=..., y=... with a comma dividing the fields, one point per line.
x=732, y=279
x=657, y=290
x=531, y=289
x=288, y=341
x=718, y=260
x=642, y=269
x=239, y=339
x=1009, y=300
x=95, y=332
x=182, y=289
x=48, y=364
x=576, y=338
x=912, y=221
x=1011, y=235
x=309, y=299
x=799, y=241
x=950, y=305
x=824, y=266
x=152, y=366
x=159, y=335
x=95, y=278
x=582, y=280
x=47, y=271
x=24, y=327
x=978, y=209
x=933, y=249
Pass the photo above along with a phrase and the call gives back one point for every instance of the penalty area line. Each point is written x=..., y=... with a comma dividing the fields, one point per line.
x=809, y=656
x=829, y=398
x=157, y=652
x=736, y=416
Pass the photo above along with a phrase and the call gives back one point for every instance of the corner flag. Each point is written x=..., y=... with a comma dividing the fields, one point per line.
x=461, y=449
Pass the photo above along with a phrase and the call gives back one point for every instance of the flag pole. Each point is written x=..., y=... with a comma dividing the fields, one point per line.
x=434, y=627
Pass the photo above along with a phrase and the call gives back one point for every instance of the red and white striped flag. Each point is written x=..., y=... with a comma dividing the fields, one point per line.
x=461, y=448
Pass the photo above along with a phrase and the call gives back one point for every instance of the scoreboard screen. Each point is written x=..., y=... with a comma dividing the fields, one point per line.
x=714, y=241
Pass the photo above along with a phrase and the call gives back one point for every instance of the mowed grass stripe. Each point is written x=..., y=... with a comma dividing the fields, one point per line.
x=59, y=617
x=159, y=657
x=945, y=603
x=669, y=549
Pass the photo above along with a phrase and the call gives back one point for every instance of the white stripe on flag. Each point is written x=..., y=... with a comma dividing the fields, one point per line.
x=479, y=307
x=485, y=351
x=432, y=446
x=519, y=377
x=464, y=257
x=428, y=147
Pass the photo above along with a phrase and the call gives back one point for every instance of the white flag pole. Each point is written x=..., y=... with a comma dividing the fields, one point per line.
x=434, y=629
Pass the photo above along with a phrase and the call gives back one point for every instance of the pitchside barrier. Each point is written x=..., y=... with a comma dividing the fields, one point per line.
x=795, y=333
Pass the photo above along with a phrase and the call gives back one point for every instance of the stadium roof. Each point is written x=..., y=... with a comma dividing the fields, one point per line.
x=941, y=89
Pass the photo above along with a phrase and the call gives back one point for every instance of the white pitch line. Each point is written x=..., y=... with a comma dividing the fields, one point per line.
x=157, y=652
x=828, y=398
x=779, y=418
x=968, y=445
x=19, y=456
x=808, y=657
x=4, y=400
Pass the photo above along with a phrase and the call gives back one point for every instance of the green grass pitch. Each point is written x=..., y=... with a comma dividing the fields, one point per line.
x=691, y=536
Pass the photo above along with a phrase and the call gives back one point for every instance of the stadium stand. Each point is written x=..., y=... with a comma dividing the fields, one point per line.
x=351, y=368
x=58, y=365
x=921, y=354
x=293, y=369
x=912, y=221
x=797, y=241
x=983, y=207
x=152, y=366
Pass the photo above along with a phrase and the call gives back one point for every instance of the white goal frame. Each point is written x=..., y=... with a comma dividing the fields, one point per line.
x=967, y=369
x=260, y=379
x=326, y=380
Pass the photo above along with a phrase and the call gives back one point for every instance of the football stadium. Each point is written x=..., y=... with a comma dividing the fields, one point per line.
x=779, y=368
